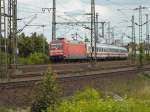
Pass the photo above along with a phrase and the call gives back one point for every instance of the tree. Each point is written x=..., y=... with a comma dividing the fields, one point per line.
x=31, y=44
x=24, y=44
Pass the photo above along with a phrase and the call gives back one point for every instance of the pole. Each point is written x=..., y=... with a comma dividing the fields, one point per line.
x=9, y=31
x=54, y=21
x=43, y=39
x=1, y=71
x=15, y=48
x=103, y=30
x=113, y=36
x=133, y=38
x=92, y=26
x=140, y=24
x=96, y=36
x=109, y=33
x=12, y=31
x=147, y=34
x=122, y=40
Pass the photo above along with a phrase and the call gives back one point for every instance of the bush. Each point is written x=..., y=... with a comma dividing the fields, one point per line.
x=35, y=58
x=2, y=109
x=46, y=94
x=87, y=94
x=24, y=61
x=94, y=103
x=4, y=57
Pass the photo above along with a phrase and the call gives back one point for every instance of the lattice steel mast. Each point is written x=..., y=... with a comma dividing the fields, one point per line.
x=147, y=35
x=12, y=30
x=54, y=21
x=133, y=38
x=3, y=43
x=92, y=26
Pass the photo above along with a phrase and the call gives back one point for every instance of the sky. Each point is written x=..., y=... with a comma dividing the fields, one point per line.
x=75, y=10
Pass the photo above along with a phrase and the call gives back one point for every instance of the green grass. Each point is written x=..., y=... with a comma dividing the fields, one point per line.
x=118, y=96
x=138, y=87
x=90, y=100
x=35, y=58
x=2, y=109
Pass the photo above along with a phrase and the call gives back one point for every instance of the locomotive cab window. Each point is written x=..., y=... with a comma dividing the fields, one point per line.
x=56, y=46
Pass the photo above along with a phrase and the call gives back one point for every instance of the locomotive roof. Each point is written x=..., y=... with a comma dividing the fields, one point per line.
x=69, y=41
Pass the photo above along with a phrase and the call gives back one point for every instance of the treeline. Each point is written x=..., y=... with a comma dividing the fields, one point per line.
x=30, y=49
x=28, y=45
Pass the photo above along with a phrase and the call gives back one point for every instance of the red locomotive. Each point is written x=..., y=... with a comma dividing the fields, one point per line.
x=62, y=49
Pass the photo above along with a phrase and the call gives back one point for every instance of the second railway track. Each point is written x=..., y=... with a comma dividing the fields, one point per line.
x=64, y=68
x=101, y=73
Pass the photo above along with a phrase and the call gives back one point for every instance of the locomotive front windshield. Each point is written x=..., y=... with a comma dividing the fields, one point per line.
x=56, y=46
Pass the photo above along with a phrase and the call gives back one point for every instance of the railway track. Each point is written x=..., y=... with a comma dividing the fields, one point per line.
x=34, y=77
x=65, y=72
x=59, y=68
x=72, y=71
